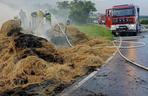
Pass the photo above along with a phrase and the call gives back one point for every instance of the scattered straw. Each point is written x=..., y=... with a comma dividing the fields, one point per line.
x=23, y=63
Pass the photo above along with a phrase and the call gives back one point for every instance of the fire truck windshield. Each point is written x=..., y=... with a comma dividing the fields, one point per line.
x=123, y=12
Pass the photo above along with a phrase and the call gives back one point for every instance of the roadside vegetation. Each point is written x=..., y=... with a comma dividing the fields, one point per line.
x=79, y=10
x=95, y=31
x=144, y=21
x=79, y=13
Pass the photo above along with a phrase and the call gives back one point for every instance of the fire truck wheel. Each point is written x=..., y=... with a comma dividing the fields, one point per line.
x=132, y=34
x=115, y=34
x=135, y=33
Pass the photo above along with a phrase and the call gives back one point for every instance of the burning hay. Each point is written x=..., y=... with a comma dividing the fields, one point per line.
x=30, y=64
x=75, y=36
x=24, y=58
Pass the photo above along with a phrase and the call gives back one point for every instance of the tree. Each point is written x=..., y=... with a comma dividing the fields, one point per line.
x=144, y=21
x=79, y=9
x=63, y=5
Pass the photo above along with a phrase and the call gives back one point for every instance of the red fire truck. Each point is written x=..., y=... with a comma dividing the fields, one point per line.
x=123, y=19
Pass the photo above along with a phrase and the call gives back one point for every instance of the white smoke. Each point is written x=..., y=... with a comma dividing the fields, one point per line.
x=6, y=13
x=41, y=28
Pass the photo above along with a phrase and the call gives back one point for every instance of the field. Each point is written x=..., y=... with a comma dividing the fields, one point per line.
x=95, y=31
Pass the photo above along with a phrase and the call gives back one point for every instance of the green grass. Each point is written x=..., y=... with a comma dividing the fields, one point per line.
x=94, y=30
x=144, y=21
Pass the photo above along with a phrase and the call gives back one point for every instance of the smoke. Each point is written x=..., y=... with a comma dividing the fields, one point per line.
x=28, y=4
x=36, y=26
x=6, y=13
x=33, y=5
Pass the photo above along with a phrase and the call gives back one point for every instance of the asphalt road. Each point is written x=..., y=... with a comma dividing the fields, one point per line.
x=142, y=53
x=118, y=77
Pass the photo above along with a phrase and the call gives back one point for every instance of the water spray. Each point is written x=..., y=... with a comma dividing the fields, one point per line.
x=63, y=31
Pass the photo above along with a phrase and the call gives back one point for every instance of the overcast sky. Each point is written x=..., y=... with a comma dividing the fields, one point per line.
x=10, y=8
x=101, y=5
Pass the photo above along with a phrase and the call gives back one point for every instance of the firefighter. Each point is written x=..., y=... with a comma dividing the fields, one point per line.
x=68, y=22
x=23, y=18
x=34, y=20
x=40, y=13
x=40, y=16
x=48, y=17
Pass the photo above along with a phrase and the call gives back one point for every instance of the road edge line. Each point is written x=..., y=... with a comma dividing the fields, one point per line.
x=80, y=83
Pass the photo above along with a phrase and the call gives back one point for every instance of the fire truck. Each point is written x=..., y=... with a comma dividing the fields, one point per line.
x=123, y=19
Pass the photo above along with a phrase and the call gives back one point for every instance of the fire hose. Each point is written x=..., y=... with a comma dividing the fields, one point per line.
x=142, y=44
x=127, y=59
x=64, y=33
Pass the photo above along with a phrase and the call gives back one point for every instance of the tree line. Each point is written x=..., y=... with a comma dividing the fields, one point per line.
x=79, y=10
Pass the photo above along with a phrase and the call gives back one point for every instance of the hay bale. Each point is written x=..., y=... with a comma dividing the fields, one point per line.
x=10, y=26
x=98, y=42
x=26, y=60
x=75, y=36
x=28, y=41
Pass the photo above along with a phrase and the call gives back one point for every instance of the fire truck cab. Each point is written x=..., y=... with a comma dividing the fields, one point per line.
x=123, y=19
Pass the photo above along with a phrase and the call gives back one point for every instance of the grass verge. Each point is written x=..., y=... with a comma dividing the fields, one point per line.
x=95, y=31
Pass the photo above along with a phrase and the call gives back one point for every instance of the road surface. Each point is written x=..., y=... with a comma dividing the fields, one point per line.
x=118, y=77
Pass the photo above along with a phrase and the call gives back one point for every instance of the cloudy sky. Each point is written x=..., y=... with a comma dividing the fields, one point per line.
x=10, y=8
x=101, y=5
